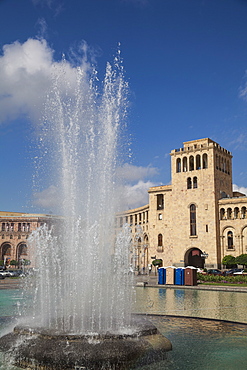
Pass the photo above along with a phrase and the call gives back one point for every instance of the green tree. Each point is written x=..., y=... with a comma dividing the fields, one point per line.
x=229, y=261
x=242, y=260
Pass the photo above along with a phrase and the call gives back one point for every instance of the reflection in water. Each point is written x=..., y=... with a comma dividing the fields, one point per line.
x=219, y=305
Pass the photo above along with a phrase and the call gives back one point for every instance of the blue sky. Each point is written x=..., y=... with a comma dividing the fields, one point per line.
x=185, y=61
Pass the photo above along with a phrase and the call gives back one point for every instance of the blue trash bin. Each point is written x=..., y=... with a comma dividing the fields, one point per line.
x=179, y=276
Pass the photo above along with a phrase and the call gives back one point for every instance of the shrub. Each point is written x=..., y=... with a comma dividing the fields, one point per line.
x=218, y=278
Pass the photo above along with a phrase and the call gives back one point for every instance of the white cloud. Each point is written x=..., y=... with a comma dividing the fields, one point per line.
x=47, y=198
x=135, y=191
x=240, y=189
x=240, y=142
x=243, y=89
x=26, y=73
x=137, y=195
x=130, y=173
x=42, y=27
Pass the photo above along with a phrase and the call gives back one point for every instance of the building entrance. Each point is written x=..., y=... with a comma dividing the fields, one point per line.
x=193, y=258
x=5, y=253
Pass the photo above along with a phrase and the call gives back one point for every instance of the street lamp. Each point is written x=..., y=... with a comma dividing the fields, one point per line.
x=204, y=255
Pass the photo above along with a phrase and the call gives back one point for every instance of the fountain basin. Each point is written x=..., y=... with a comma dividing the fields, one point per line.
x=37, y=348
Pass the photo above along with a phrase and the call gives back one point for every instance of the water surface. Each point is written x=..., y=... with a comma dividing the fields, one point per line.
x=219, y=305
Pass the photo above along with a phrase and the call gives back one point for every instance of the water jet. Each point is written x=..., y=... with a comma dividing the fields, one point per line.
x=81, y=295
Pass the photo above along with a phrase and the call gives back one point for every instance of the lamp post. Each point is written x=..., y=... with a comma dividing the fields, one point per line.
x=204, y=255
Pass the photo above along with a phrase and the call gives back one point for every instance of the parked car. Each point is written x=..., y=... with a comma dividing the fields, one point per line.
x=15, y=273
x=234, y=271
x=4, y=273
x=11, y=273
x=214, y=272
x=200, y=270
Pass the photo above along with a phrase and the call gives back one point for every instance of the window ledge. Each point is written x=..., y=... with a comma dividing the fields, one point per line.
x=193, y=236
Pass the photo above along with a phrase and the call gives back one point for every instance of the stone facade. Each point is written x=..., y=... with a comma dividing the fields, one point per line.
x=15, y=229
x=196, y=220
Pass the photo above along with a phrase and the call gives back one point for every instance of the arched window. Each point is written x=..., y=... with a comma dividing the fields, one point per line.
x=145, y=241
x=195, y=182
x=230, y=240
x=178, y=164
x=243, y=212
x=198, y=162
x=229, y=213
x=220, y=162
x=236, y=212
x=6, y=251
x=205, y=161
x=185, y=165
x=21, y=250
x=228, y=167
x=192, y=219
x=217, y=161
x=191, y=163
x=189, y=183
x=222, y=213
x=160, y=240
x=224, y=165
x=140, y=218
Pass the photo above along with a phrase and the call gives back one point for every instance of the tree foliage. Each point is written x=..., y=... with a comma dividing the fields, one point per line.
x=229, y=261
x=241, y=260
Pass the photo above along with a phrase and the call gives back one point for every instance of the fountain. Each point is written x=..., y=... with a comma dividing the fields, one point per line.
x=80, y=311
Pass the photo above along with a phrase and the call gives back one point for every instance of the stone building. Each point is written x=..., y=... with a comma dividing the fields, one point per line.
x=15, y=229
x=196, y=220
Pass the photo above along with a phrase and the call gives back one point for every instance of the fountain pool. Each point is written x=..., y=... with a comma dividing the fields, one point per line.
x=197, y=343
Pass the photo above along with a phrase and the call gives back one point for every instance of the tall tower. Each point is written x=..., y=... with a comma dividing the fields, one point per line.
x=201, y=175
